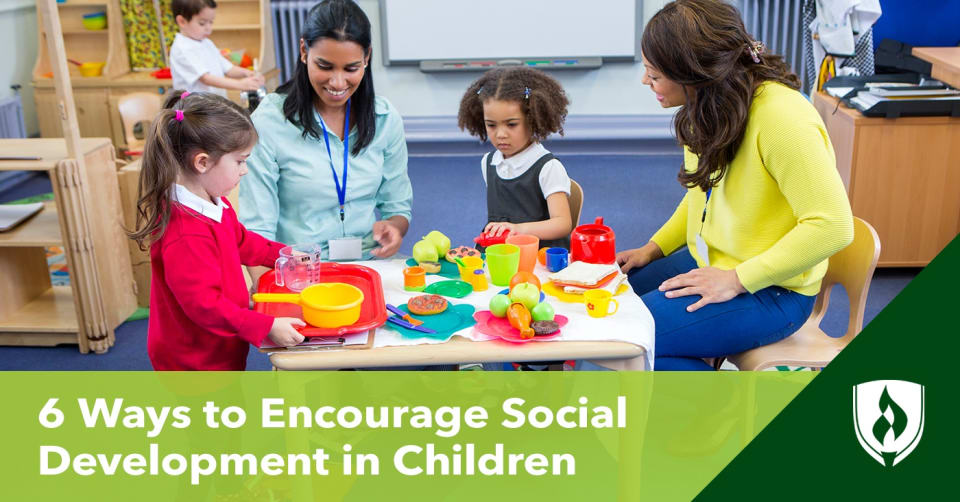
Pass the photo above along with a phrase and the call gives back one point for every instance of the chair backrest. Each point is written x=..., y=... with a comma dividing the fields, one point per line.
x=135, y=108
x=576, y=202
x=852, y=268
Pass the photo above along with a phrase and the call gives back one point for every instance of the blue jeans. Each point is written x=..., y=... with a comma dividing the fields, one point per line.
x=718, y=329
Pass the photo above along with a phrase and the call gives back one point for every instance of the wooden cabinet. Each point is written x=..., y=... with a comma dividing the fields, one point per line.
x=902, y=176
x=85, y=220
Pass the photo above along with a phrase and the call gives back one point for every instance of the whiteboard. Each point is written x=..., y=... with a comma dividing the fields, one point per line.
x=418, y=30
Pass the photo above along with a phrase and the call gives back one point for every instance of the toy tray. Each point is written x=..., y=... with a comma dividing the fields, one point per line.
x=455, y=318
x=373, y=312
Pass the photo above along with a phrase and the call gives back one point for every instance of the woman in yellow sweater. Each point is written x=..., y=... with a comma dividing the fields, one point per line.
x=740, y=261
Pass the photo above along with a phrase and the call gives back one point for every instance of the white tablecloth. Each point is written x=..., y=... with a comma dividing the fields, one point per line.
x=632, y=323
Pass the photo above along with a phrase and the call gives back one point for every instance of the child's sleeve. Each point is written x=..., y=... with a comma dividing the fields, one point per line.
x=256, y=250
x=553, y=179
x=199, y=292
x=483, y=167
x=395, y=194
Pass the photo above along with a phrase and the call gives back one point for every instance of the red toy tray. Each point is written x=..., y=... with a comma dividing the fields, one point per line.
x=373, y=312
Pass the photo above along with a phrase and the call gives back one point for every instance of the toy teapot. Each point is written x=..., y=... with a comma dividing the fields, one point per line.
x=593, y=243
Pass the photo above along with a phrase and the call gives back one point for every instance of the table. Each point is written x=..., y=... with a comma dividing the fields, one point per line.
x=945, y=60
x=583, y=338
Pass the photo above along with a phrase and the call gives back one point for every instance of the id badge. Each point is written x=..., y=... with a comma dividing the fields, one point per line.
x=702, y=250
x=346, y=248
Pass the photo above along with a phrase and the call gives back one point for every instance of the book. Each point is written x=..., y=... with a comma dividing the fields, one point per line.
x=12, y=215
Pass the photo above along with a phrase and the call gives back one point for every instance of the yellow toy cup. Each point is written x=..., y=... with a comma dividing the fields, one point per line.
x=325, y=305
x=598, y=303
x=503, y=261
x=472, y=263
x=92, y=69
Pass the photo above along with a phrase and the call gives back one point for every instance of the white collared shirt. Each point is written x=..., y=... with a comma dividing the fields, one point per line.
x=199, y=204
x=190, y=59
x=553, y=176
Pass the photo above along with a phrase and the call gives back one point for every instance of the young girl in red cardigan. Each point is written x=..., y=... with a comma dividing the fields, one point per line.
x=200, y=318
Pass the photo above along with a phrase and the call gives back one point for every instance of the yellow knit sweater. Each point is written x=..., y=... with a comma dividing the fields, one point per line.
x=780, y=210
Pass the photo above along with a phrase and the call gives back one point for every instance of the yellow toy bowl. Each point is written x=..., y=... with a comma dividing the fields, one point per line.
x=325, y=305
x=95, y=22
x=92, y=69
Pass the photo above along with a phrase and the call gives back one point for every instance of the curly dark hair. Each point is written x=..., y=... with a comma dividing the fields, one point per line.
x=541, y=98
x=703, y=46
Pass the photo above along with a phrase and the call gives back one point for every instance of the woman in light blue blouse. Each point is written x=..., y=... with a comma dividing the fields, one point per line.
x=331, y=153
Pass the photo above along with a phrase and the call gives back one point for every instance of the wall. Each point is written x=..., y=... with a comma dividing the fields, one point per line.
x=614, y=89
x=18, y=30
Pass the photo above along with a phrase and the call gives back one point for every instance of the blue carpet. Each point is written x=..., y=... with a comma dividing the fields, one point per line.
x=634, y=194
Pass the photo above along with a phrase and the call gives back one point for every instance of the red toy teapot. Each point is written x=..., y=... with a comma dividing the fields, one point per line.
x=593, y=243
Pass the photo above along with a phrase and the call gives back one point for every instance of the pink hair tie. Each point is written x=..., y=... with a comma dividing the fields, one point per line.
x=178, y=115
x=185, y=94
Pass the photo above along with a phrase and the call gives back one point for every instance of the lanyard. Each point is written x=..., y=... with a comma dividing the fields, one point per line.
x=341, y=190
x=703, y=218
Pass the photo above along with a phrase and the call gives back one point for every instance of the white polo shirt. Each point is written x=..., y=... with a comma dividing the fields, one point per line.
x=190, y=59
x=553, y=176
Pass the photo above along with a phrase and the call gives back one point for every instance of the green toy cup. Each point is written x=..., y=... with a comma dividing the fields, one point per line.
x=503, y=261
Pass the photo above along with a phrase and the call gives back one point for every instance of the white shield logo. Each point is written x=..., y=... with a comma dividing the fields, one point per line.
x=888, y=418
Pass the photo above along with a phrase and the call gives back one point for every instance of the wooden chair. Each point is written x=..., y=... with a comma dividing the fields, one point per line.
x=810, y=347
x=576, y=202
x=136, y=108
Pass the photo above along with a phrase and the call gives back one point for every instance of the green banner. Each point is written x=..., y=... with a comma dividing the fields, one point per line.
x=875, y=425
x=379, y=435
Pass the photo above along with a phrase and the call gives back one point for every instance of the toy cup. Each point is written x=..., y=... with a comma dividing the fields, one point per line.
x=598, y=303
x=298, y=266
x=470, y=263
x=529, y=245
x=414, y=278
x=557, y=259
x=503, y=261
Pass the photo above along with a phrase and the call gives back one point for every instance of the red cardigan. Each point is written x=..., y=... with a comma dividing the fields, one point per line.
x=200, y=317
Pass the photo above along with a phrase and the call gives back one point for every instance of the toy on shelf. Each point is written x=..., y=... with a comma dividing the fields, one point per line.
x=238, y=57
x=95, y=20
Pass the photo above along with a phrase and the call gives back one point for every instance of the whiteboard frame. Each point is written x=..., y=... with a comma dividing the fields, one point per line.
x=385, y=49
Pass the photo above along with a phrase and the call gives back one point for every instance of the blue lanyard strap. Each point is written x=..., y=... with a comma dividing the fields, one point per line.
x=341, y=190
x=704, y=217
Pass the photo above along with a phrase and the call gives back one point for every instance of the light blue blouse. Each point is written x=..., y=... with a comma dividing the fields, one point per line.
x=289, y=194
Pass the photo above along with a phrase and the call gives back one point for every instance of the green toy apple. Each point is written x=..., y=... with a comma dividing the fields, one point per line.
x=442, y=242
x=542, y=311
x=525, y=293
x=425, y=251
x=499, y=305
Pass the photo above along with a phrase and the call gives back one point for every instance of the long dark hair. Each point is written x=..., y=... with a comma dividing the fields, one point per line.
x=540, y=96
x=703, y=46
x=187, y=125
x=343, y=21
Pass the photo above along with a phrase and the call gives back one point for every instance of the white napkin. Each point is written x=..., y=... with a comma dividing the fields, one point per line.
x=582, y=273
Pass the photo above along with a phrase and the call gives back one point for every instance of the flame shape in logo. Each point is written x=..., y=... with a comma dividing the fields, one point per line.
x=882, y=425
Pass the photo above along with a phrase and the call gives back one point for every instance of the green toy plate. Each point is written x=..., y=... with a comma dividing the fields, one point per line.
x=446, y=323
x=453, y=289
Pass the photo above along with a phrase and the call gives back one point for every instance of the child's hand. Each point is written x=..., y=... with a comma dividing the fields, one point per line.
x=283, y=333
x=494, y=229
x=252, y=83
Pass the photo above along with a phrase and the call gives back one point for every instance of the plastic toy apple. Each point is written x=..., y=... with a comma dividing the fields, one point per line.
x=542, y=311
x=499, y=305
x=442, y=242
x=425, y=251
x=521, y=277
x=525, y=293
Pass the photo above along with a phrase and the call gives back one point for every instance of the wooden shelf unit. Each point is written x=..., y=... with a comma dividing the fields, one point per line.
x=240, y=24
x=32, y=311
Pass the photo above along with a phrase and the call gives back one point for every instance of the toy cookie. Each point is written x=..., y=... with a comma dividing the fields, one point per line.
x=430, y=267
x=427, y=304
x=541, y=328
x=461, y=252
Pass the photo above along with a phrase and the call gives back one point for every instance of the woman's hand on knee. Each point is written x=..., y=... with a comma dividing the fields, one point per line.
x=712, y=284
x=639, y=257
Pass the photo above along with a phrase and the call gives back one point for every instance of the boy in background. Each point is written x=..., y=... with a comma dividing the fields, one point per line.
x=196, y=64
